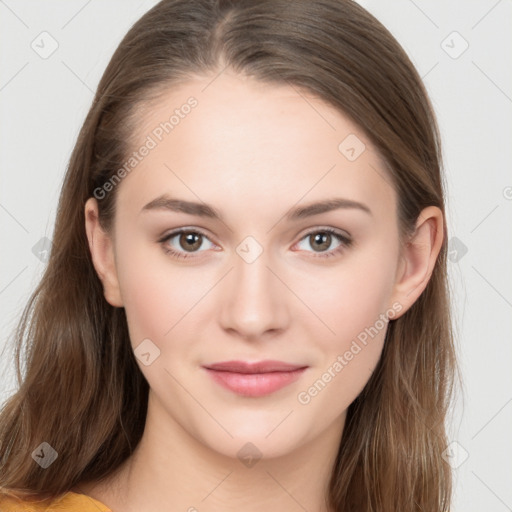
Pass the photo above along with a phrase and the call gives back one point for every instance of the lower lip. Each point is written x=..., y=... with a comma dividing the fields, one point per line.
x=255, y=384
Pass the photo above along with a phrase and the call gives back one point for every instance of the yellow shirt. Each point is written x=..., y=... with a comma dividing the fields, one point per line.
x=68, y=502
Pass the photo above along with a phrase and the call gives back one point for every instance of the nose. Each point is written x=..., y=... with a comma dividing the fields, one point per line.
x=254, y=300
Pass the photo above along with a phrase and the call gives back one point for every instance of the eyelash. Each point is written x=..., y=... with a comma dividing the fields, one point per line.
x=345, y=242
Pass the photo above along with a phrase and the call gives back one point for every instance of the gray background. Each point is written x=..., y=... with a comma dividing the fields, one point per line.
x=43, y=102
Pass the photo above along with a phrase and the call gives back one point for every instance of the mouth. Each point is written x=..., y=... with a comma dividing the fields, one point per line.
x=254, y=379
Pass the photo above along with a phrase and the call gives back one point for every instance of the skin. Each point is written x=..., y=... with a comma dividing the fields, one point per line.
x=253, y=151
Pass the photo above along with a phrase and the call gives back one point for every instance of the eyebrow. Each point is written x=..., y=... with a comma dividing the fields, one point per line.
x=164, y=202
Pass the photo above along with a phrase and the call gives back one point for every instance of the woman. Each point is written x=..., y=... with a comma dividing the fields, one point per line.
x=246, y=304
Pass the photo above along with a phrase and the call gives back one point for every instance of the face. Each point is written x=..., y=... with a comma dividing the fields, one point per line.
x=269, y=278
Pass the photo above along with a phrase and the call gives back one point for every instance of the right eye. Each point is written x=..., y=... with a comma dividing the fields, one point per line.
x=181, y=241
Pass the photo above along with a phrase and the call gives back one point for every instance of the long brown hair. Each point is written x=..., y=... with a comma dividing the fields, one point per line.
x=81, y=390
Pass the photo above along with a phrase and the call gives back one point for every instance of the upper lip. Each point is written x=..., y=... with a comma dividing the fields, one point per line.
x=256, y=367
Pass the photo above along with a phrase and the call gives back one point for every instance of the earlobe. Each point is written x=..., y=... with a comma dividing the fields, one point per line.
x=102, y=254
x=418, y=257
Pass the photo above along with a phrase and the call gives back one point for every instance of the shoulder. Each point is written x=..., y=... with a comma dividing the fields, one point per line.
x=68, y=502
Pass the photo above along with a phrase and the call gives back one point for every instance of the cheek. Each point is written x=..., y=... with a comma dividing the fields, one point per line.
x=160, y=298
x=349, y=298
x=354, y=304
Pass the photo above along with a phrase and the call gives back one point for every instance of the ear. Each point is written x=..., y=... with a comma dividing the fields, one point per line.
x=418, y=257
x=102, y=253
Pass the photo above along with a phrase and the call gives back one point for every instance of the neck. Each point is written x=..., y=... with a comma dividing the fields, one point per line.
x=171, y=467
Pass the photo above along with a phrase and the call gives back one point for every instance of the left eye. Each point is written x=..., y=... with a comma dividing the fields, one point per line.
x=322, y=239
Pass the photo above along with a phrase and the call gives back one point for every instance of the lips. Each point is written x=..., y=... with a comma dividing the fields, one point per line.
x=254, y=379
x=257, y=367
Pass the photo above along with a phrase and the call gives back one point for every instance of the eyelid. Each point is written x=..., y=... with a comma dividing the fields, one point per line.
x=329, y=229
x=185, y=229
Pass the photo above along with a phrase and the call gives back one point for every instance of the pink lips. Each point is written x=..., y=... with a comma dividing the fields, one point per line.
x=254, y=379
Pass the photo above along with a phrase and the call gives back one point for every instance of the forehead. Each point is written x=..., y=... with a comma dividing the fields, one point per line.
x=255, y=142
